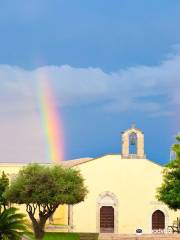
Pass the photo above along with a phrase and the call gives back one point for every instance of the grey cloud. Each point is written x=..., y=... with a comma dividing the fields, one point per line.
x=153, y=90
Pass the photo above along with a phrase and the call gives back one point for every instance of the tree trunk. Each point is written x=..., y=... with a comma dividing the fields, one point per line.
x=38, y=226
x=38, y=232
x=39, y=229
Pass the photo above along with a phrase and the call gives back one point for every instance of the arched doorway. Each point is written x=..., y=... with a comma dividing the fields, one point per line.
x=107, y=219
x=158, y=220
x=107, y=213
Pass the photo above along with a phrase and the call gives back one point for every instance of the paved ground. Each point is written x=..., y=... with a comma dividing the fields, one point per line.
x=142, y=237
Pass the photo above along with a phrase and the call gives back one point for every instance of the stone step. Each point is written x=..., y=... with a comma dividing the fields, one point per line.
x=136, y=237
x=88, y=236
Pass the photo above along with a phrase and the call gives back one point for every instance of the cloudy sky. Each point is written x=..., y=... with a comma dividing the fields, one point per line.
x=109, y=63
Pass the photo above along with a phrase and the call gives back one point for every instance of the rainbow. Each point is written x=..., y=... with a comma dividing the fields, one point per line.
x=50, y=121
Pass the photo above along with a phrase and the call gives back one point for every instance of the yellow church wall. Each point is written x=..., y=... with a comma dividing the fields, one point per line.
x=11, y=168
x=60, y=216
x=133, y=182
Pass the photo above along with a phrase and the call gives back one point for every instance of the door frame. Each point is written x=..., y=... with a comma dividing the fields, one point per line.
x=162, y=209
x=107, y=199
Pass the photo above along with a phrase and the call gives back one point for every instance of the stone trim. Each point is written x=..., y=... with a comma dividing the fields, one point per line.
x=162, y=209
x=126, y=144
x=113, y=201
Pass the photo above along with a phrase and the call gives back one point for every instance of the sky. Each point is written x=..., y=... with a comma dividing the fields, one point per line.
x=110, y=63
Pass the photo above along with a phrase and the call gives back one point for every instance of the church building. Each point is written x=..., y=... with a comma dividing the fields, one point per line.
x=121, y=192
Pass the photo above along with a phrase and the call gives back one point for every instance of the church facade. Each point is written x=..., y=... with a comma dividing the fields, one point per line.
x=121, y=192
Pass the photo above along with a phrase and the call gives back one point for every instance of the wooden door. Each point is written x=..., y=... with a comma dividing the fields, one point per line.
x=158, y=220
x=107, y=219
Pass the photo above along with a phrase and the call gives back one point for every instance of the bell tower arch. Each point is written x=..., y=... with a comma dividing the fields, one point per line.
x=133, y=138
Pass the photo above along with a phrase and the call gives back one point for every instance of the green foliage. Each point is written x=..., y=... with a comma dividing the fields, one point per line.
x=12, y=224
x=43, y=189
x=66, y=236
x=169, y=192
x=47, y=185
x=4, y=184
x=62, y=236
x=58, y=235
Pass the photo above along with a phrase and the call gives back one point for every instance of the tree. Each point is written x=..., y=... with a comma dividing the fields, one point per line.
x=169, y=191
x=43, y=189
x=4, y=183
x=12, y=224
